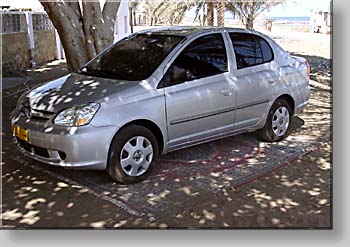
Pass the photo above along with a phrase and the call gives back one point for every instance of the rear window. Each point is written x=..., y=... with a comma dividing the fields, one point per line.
x=250, y=50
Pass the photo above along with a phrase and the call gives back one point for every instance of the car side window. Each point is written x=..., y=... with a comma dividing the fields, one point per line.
x=250, y=50
x=205, y=56
x=266, y=50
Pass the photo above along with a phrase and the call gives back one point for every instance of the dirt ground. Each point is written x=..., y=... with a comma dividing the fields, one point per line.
x=285, y=185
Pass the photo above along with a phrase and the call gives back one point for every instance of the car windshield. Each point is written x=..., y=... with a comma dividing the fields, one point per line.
x=133, y=58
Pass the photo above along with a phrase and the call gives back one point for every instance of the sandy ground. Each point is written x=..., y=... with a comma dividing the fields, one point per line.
x=298, y=194
x=311, y=44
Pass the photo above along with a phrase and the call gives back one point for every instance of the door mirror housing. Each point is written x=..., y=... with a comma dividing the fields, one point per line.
x=175, y=75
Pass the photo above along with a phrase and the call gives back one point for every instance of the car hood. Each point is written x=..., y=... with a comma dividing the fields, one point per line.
x=76, y=89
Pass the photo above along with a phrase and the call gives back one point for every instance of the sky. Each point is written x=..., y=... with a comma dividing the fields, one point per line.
x=298, y=8
x=290, y=8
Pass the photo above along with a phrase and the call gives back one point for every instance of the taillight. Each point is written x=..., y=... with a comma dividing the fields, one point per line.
x=308, y=69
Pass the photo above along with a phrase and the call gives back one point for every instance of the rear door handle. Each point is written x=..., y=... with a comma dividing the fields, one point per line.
x=227, y=92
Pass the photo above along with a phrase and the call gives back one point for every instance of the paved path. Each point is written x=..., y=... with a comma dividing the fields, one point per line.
x=11, y=82
x=234, y=182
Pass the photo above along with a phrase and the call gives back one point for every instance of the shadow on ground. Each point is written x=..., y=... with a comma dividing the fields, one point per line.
x=210, y=185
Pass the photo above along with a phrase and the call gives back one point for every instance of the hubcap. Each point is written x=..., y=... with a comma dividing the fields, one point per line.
x=280, y=121
x=136, y=156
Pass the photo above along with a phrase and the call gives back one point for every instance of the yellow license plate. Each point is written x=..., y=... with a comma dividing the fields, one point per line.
x=21, y=133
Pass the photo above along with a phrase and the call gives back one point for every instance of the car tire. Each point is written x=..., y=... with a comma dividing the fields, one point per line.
x=132, y=154
x=277, y=123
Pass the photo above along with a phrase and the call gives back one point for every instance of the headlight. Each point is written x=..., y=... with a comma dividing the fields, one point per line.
x=77, y=115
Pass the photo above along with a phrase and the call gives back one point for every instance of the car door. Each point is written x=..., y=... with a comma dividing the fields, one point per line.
x=199, y=96
x=256, y=75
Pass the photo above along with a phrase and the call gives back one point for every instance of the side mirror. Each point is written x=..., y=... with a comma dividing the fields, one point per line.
x=177, y=75
x=172, y=77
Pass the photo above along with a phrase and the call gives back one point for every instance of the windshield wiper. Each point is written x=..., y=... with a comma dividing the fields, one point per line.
x=108, y=74
x=103, y=74
x=84, y=71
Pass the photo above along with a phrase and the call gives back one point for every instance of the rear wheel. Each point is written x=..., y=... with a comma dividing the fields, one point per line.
x=277, y=122
x=132, y=154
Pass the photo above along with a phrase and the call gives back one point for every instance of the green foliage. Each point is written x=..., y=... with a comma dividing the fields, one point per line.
x=248, y=11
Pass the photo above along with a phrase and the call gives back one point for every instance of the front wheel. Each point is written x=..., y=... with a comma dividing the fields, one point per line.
x=132, y=154
x=277, y=122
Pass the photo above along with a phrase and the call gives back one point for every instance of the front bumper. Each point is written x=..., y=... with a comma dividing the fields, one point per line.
x=83, y=147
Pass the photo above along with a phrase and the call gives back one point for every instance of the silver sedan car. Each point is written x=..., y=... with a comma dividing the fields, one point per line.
x=159, y=90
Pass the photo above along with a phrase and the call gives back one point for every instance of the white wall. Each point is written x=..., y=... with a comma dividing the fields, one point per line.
x=35, y=5
x=122, y=25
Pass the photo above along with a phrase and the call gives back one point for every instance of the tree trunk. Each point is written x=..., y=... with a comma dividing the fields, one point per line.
x=131, y=19
x=221, y=13
x=204, y=16
x=210, y=13
x=250, y=22
x=83, y=32
x=134, y=16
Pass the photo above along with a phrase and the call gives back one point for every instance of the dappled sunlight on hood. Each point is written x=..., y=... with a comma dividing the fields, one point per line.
x=76, y=89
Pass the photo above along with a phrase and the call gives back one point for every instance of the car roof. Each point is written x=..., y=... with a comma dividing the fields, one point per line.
x=188, y=30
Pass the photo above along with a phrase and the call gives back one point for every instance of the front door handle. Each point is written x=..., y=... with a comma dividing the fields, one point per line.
x=273, y=80
x=227, y=92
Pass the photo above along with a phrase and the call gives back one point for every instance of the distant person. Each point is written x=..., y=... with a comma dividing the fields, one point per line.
x=268, y=24
x=318, y=22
